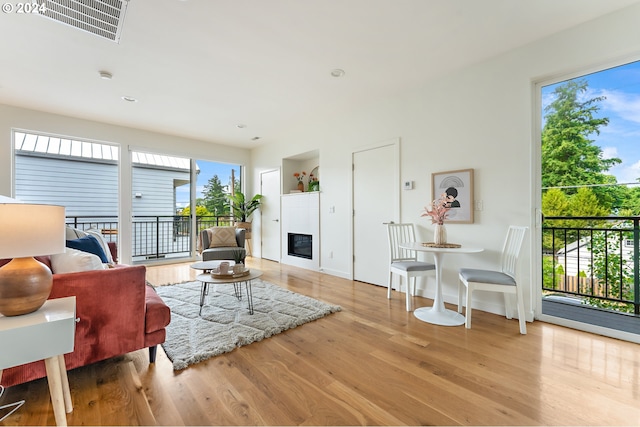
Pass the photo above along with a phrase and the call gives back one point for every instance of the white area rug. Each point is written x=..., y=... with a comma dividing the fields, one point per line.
x=225, y=322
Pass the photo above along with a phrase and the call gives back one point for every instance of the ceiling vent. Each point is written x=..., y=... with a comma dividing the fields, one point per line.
x=103, y=18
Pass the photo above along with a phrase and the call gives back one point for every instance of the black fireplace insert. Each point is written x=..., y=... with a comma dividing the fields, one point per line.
x=300, y=245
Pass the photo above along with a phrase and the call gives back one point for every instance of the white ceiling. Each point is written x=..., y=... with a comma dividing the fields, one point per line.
x=201, y=67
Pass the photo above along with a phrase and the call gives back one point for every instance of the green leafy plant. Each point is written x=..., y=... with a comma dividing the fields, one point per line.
x=613, y=271
x=241, y=208
x=238, y=256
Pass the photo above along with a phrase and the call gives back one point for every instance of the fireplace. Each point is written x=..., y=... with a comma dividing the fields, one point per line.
x=300, y=245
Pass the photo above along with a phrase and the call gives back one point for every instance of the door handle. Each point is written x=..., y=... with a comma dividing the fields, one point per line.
x=276, y=220
x=387, y=223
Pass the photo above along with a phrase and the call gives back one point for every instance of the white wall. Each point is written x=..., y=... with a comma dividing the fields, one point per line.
x=482, y=117
x=128, y=139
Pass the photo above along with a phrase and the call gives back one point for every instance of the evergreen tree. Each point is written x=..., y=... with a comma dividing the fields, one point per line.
x=555, y=203
x=215, y=197
x=569, y=157
x=585, y=203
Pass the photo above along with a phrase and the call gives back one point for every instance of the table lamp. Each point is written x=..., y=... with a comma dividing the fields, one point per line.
x=28, y=230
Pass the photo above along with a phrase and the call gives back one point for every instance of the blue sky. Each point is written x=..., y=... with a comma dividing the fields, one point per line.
x=207, y=171
x=621, y=138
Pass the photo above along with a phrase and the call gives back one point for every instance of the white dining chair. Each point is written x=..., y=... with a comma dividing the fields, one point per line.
x=404, y=262
x=502, y=280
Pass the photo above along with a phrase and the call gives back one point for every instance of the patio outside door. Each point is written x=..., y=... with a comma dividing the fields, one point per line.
x=376, y=201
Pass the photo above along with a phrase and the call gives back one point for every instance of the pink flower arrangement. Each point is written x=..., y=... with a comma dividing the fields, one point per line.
x=300, y=176
x=438, y=211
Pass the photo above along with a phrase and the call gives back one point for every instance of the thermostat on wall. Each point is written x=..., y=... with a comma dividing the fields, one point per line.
x=408, y=185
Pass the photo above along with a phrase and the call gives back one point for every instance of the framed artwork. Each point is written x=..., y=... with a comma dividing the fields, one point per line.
x=458, y=187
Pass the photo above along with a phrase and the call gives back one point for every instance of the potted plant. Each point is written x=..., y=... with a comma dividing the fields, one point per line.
x=242, y=210
x=238, y=258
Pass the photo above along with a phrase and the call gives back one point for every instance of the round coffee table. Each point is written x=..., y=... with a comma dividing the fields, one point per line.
x=237, y=280
x=210, y=265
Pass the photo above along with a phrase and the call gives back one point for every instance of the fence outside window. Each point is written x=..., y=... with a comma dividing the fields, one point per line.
x=154, y=237
x=594, y=260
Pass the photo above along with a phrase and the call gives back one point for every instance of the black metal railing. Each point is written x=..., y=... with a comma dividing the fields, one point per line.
x=594, y=260
x=153, y=237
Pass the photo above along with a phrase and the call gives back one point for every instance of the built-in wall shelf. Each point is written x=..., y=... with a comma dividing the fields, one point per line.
x=304, y=162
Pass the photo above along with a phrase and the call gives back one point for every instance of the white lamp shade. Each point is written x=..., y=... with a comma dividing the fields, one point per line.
x=31, y=230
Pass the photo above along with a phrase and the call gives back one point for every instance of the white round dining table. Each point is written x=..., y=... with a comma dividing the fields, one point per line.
x=438, y=314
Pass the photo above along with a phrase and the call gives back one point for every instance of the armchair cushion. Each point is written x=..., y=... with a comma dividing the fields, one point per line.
x=222, y=237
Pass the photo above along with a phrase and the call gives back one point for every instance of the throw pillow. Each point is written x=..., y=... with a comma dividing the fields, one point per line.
x=73, y=260
x=88, y=244
x=222, y=237
x=100, y=238
x=73, y=233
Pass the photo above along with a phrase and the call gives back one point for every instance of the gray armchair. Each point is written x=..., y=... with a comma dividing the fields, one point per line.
x=222, y=252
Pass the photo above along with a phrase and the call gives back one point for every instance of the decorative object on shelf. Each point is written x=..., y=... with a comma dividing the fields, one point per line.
x=457, y=186
x=28, y=230
x=314, y=179
x=242, y=210
x=299, y=176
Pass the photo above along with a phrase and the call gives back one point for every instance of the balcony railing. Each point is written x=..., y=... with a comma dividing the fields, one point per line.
x=593, y=260
x=154, y=237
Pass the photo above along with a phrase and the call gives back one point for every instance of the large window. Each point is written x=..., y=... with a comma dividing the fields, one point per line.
x=162, y=216
x=590, y=172
x=83, y=177
x=80, y=175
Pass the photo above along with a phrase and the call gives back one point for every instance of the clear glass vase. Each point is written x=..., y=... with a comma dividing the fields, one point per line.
x=440, y=234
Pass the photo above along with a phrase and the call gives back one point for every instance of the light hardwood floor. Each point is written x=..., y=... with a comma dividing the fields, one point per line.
x=370, y=364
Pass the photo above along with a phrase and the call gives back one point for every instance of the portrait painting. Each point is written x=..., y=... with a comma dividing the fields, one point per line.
x=457, y=187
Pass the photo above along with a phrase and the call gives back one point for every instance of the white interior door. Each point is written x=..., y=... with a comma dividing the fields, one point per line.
x=376, y=201
x=270, y=215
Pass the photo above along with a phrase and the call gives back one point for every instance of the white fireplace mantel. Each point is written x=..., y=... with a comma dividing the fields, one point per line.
x=301, y=214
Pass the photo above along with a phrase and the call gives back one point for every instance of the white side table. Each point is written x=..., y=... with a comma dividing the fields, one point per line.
x=46, y=334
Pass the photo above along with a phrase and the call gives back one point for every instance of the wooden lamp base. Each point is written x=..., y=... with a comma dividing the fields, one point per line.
x=25, y=284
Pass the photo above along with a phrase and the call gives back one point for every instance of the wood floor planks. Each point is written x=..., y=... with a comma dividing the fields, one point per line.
x=370, y=364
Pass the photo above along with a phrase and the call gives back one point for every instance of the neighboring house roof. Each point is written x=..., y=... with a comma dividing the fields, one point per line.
x=28, y=143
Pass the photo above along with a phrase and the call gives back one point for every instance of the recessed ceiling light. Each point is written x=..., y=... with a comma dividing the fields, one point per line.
x=129, y=99
x=337, y=72
x=105, y=75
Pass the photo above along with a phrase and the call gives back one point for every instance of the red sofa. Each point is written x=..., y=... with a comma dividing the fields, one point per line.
x=117, y=313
